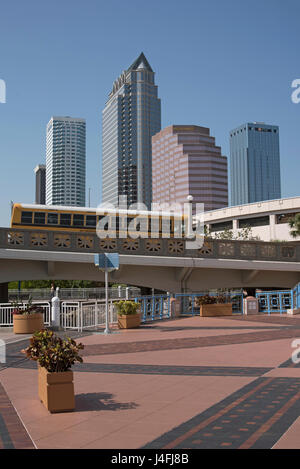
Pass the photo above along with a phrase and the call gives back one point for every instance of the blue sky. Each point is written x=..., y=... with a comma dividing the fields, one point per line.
x=218, y=64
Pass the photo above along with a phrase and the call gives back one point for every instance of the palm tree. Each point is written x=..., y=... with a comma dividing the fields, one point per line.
x=294, y=223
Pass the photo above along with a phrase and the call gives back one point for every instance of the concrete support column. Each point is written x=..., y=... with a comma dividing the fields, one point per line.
x=272, y=227
x=3, y=292
x=235, y=226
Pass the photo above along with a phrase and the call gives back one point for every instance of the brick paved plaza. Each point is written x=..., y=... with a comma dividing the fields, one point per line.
x=186, y=383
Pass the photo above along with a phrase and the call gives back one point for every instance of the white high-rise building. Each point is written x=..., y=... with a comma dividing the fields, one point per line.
x=66, y=161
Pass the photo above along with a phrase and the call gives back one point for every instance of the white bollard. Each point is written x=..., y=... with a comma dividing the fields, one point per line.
x=55, y=310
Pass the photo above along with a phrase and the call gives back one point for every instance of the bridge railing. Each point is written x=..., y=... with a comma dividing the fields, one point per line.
x=6, y=310
x=189, y=301
x=86, y=315
x=38, y=240
x=275, y=301
x=154, y=307
x=73, y=293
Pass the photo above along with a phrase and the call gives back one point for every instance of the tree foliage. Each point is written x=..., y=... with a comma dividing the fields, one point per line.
x=294, y=223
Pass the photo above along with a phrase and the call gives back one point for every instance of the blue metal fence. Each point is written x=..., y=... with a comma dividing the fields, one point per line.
x=296, y=296
x=154, y=307
x=158, y=307
x=189, y=301
x=275, y=301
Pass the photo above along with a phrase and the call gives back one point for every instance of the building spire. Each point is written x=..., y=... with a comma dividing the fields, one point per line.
x=140, y=63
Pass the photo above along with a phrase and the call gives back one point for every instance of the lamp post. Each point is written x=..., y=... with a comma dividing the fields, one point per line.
x=107, y=263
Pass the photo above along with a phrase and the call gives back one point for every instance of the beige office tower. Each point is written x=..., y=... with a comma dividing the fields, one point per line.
x=186, y=161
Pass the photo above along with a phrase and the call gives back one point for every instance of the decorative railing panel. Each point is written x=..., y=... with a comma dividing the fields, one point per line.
x=38, y=240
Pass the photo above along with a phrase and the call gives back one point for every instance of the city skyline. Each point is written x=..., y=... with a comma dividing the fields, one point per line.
x=253, y=87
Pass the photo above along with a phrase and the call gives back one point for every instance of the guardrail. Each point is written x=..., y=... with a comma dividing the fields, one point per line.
x=189, y=301
x=6, y=309
x=12, y=238
x=81, y=315
x=275, y=301
x=154, y=307
x=73, y=293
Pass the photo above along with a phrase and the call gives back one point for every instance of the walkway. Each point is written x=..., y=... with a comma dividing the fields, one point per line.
x=185, y=383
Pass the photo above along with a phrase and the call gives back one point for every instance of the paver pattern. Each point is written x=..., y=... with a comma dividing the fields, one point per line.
x=253, y=417
x=12, y=432
x=245, y=394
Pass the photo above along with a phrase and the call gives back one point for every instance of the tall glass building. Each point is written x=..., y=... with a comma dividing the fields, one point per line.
x=254, y=163
x=66, y=161
x=131, y=117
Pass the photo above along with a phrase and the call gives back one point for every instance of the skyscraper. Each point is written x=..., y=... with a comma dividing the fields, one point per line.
x=132, y=115
x=40, y=184
x=186, y=161
x=65, y=161
x=254, y=163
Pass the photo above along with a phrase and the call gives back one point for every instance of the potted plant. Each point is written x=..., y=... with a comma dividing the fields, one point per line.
x=27, y=318
x=128, y=314
x=214, y=306
x=55, y=357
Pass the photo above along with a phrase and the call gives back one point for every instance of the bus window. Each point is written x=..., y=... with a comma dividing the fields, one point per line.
x=65, y=219
x=39, y=218
x=154, y=230
x=78, y=220
x=103, y=222
x=142, y=224
x=91, y=221
x=52, y=218
x=26, y=218
x=178, y=227
x=167, y=225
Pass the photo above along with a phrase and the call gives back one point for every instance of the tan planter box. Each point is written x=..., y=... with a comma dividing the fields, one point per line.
x=28, y=323
x=56, y=390
x=222, y=309
x=129, y=321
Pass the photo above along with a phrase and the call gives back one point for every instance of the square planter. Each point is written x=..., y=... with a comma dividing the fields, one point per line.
x=28, y=323
x=129, y=321
x=219, y=309
x=56, y=390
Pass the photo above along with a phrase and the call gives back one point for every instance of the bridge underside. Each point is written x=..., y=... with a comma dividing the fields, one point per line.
x=163, y=273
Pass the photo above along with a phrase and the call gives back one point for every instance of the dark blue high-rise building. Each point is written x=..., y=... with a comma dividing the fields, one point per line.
x=254, y=163
x=131, y=117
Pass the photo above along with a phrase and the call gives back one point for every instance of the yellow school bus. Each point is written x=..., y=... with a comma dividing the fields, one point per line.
x=106, y=221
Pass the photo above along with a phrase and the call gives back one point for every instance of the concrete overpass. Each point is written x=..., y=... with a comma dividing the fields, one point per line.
x=163, y=264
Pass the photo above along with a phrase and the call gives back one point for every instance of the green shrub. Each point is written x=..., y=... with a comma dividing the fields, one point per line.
x=126, y=307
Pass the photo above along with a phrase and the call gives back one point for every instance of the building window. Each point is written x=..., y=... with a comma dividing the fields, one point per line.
x=225, y=225
x=284, y=218
x=252, y=222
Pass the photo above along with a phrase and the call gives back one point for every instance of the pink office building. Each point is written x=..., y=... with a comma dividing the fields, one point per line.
x=186, y=161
